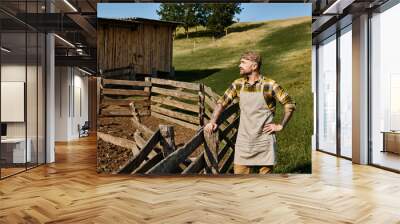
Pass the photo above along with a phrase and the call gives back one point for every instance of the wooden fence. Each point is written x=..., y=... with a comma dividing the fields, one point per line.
x=186, y=104
x=116, y=95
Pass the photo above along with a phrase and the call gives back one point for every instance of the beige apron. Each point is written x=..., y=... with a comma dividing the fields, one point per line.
x=253, y=147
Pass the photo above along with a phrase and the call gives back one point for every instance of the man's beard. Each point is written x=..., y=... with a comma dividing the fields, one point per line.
x=244, y=74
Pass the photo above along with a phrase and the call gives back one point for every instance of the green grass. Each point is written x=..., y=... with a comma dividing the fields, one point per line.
x=286, y=50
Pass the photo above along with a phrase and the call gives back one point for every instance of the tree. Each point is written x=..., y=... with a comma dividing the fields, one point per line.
x=216, y=17
x=184, y=13
x=220, y=16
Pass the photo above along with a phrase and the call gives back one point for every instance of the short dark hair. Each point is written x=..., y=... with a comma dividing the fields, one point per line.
x=253, y=56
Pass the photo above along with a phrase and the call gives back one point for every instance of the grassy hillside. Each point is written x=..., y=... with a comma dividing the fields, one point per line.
x=285, y=46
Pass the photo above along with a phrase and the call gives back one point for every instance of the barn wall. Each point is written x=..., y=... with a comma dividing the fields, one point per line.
x=146, y=46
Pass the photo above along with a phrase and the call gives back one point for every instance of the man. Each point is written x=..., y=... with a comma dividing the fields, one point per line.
x=255, y=147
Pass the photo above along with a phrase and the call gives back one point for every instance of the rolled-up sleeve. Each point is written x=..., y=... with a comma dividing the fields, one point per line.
x=229, y=95
x=283, y=97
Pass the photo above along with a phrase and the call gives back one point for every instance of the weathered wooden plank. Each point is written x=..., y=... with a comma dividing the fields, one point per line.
x=134, y=111
x=122, y=112
x=133, y=98
x=125, y=143
x=126, y=82
x=214, y=96
x=136, y=160
x=228, y=112
x=146, y=165
x=228, y=163
x=173, y=120
x=124, y=92
x=175, y=103
x=228, y=144
x=210, y=102
x=233, y=117
x=175, y=93
x=211, y=143
x=208, y=113
x=141, y=142
x=125, y=102
x=234, y=124
x=147, y=132
x=168, y=139
x=196, y=166
x=148, y=89
x=178, y=84
x=175, y=114
x=172, y=162
x=202, y=105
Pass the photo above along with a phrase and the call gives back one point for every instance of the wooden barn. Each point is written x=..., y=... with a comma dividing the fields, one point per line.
x=142, y=44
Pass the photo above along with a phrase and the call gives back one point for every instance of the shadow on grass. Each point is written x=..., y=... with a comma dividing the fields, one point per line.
x=207, y=33
x=194, y=75
x=244, y=28
x=200, y=33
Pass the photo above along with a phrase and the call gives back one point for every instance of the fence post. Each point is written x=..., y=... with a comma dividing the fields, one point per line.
x=211, y=151
x=167, y=139
x=201, y=105
x=148, y=90
x=134, y=111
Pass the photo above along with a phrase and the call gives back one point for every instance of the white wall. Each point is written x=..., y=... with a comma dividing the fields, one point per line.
x=12, y=73
x=70, y=83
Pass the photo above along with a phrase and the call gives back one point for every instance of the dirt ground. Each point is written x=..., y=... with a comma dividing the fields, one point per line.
x=110, y=157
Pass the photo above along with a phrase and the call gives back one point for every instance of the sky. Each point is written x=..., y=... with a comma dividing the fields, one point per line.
x=251, y=12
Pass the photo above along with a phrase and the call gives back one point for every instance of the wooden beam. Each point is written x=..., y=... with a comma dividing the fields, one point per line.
x=211, y=143
x=228, y=112
x=214, y=96
x=140, y=142
x=124, y=92
x=178, y=84
x=229, y=144
x=202, y=105
x=167, y=139
x=135, y=161
x=172, y=162
x=211, y=104
x=134, y=111
x=147, y=132
x=174, y=114
x=121, y=142
x=175, y=93
x=234, y=124
x=196, y=166
x=228, y=163
x=208, y=113
x=175, y=103
x=126, y=82
x=122, y=113
x=173, y=120
x=125, y=102
x=145, y=166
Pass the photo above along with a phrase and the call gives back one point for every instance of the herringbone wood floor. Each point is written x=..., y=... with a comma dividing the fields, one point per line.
x=70, y=191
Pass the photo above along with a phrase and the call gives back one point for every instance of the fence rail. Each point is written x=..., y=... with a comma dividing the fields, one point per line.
x=187, y=104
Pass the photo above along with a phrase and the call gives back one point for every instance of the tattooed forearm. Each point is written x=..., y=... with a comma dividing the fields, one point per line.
x=217, y=112
x=286, y=117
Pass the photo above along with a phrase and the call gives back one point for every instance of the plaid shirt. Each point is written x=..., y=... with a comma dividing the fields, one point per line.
x=272, y=91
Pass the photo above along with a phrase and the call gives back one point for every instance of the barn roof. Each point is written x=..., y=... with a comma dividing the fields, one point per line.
x=136, y=20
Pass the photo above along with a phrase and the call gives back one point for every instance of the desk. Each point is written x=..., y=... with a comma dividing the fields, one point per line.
x=391, y=141
x=13, y=150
